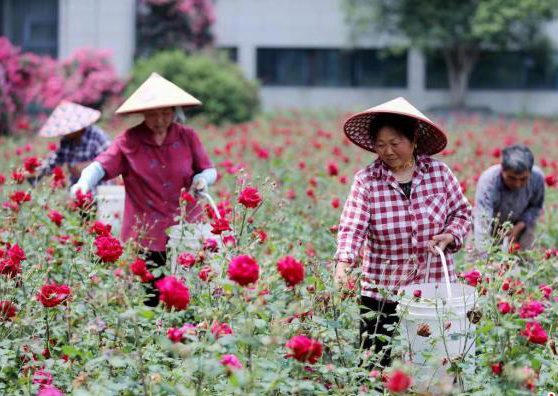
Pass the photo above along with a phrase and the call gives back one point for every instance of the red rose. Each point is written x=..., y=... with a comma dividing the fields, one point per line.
x=58, y=178
x=42, y=378
x=139, y=268
x=205, y=273
x=534, y=333
x=55, y=217
x=304, y=349
x=417, y=293
x=10, y=267
x=16, y=253
x=546, y=290
x=531, y=309
x=218, y=329
x=31, y=164
x=497, y=368
x=50, y=390
x=291, y=270
x=18, y=177
x=231, y=362
x=220, y=225
x=335, y=203
x=211, y=245
x=187, y=260
x=175, y=335
x=261, y=235
x=2, y=179
x=83, y=201
x=243, y=270
x=187, y=198
x=7, y=310
x=53, y=294
x=100, y=229
x=173, y=293
x=398, y=381
x=473, y=277
x=19, y=197
x=250, y=197
x=551, y=180
x=332, y=169
x=109, y=249
x=504, y=307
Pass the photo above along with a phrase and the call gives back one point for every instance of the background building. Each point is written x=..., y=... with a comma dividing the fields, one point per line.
x=301, y=52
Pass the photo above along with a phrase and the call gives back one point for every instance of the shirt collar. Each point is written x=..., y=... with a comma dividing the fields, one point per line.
x=380, y=170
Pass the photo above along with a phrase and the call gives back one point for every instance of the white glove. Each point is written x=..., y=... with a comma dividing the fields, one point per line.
x=202, y=180
x=90, y=177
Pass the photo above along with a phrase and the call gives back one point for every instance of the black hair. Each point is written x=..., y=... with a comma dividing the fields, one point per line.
x=517, y=158
x=403, y=125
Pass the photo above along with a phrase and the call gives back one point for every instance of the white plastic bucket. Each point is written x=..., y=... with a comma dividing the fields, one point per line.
x=110, y=206
x=446, y=317
x=186, y=238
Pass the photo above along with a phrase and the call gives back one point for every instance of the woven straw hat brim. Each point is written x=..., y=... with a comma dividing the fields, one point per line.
x=156, y=93
x=431, y=139
x=67, y=118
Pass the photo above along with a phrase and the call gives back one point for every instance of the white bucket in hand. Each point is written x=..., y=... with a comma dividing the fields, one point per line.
x=187, y=238
x=110, y=206
x=443, y=307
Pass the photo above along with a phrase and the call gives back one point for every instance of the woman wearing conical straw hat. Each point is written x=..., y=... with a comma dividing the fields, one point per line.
x=157, y=159
x=399, y=208
x=80, y=139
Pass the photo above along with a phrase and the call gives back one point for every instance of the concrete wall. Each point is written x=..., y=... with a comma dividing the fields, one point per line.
x=248, y=24
x=101, y=24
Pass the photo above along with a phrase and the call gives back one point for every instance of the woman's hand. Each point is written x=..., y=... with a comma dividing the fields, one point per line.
x=199, y=185
x=340, y=276
x=440, y=240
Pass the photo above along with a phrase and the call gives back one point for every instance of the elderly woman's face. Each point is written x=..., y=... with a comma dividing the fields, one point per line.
x=393, y=148
x=159, y=120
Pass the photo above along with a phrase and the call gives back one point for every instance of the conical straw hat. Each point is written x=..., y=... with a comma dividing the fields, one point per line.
x=68, y=117
x=157, y=92
x=431, y=139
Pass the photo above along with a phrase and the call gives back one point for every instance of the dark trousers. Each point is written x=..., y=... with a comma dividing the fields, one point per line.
x=375, y=325
x=154, y=260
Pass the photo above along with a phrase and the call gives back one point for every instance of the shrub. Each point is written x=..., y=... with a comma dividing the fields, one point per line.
x=225, y=93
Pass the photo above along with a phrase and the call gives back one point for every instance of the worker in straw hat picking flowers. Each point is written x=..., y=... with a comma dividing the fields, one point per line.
x=157, y=159
x=399, y=208
x=81, y=140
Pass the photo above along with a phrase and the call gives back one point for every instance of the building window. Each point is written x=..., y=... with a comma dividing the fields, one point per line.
x=331, y=67
x=31, y=25
x=536, y=70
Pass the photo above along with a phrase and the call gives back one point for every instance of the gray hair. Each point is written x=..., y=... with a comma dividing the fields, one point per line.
x=517, y=158
x=179, y=115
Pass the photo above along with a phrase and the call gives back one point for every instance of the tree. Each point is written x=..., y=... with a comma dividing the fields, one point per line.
x=460, y=29
x=173, y=24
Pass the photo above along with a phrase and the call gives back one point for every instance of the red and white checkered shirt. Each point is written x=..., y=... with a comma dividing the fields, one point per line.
x=396, y=229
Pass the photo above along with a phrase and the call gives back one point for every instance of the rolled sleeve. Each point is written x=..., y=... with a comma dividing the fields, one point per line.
x=354, y=223
x=458, y=222
x=112, y=160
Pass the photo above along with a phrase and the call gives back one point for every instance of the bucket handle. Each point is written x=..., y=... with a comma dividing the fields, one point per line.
x=444, y=266
x=211, y=202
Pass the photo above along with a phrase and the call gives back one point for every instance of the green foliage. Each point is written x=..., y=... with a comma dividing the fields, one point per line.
x=227, y=96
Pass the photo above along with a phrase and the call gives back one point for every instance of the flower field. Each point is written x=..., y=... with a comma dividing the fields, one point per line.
x=255, y=311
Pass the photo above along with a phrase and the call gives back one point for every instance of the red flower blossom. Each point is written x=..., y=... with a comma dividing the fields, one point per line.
x=531, y=309
x=261, y=235
x=497, y=368
x=175, y=335
x=7, y=310
x=211, y=245
x=109, y=249
x=473, y=277
x=83, y=201
x=187, y=198
x=220, y=225
x=187, y=260
x=291, y=270
x=504, y=307
x=19, y=197
x=304, y=349
x=231, y=362
x=42, y=378
x=250, y=197
x=417, y=293
x=397, y=381
x=55, y=217
x=100, y=229
x=332, y=169
x=335, y=203
x=534, y=333
x=58, y=178
x=53, y=294
x=551, y=180
x=31, y=164
x=50, y=390
x=2, y=179
x=206, y=273
x=139, y=268
x=173, y=293
x=18, y=177
x=243, y=270
x=546, y=290
x=218, y=329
